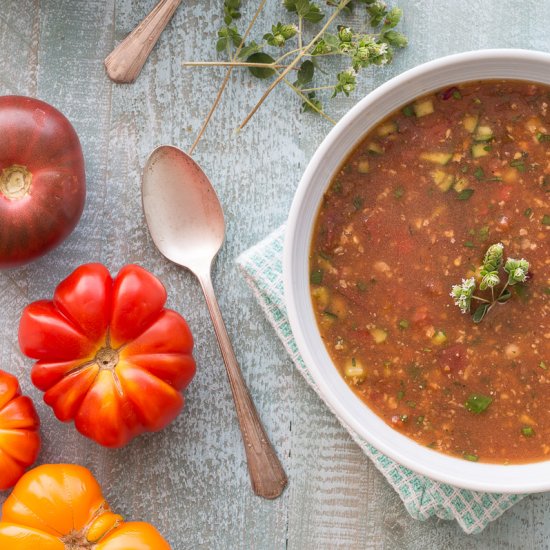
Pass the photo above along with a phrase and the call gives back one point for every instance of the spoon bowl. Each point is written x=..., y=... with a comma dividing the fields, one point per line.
x=186, y=222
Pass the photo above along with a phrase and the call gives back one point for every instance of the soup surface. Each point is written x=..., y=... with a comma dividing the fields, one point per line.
x=411, y=213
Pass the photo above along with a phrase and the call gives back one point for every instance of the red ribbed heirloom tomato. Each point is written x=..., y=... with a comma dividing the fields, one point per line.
x=19, y=438
x=110, y=356
x=60, y=507
x=42, y=180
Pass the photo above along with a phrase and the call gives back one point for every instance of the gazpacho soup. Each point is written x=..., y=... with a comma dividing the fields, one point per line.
x=430, y=275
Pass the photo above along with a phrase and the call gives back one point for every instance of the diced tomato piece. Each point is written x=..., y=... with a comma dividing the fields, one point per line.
x=453, y=359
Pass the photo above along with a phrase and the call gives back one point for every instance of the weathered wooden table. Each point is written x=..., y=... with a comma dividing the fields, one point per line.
x=190, y=480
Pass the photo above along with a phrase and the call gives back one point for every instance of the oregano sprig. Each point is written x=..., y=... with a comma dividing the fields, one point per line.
x=517, y=271
x=301, y=42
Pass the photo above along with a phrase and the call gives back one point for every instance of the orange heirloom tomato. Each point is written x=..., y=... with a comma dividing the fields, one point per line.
x=60, y=507
x=110, y=356
x=19, y=439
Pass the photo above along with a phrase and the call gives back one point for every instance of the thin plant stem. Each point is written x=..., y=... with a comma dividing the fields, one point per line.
x=300, y=25
x=504, y=288
x=318, y=89
x=226, y=78
x=231, y=64
x=308, y=101
x=293, y=63
x=287, y=54
x=481, y=299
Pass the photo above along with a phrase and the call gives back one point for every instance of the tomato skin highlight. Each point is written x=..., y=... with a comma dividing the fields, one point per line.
x=110, y=356
x=19, y=431
x=60, y=506
x=42, y=179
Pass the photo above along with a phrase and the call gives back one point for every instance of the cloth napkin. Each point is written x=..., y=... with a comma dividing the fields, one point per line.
x=262, y=267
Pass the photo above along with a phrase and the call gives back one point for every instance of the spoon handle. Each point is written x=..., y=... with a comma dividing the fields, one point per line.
x=125, y=62
x=266, y=472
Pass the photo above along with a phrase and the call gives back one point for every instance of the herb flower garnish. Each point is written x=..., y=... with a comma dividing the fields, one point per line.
x=517, y=270
x=463, y=294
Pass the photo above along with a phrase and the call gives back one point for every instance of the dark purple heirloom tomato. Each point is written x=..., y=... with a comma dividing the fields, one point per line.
x=42, y=179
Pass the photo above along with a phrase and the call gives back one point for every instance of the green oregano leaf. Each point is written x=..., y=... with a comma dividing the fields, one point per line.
x=479, y=313
x=261, y=72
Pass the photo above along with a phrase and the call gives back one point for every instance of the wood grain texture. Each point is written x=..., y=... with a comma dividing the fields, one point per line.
x=190, y=480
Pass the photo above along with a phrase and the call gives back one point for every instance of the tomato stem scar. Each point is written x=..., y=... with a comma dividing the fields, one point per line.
x=106, y=358
x=15, y=182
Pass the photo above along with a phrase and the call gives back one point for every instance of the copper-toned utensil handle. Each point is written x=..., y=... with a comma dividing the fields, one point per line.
x=124, y=63
x=266, y=472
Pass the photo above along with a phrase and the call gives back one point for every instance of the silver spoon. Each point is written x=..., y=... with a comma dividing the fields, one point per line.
x=186, y=222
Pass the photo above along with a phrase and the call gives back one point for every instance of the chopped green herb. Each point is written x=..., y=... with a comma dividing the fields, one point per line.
x=411, y=404
x=420, y=420
x=521, y=291
x=399, y=192
x=464, y=169
x=543, y=365
x=471, y=457
x=337, y=187
x=546, y=219
x=457, y=94
x=465, y=194
x=543, y=137
x=357, y=203
x=400, y=395
x=361, y=286
x=477, y=101
x=404, y=417
x=408, y=110
x=469, y=244
x=484, y=233
x=518, y=164
x=403, y=324
x=547, y=290
x=316, y=277
x=528, y=212
x=479, y=173
x=330, y=314
x=487, y=147
x=527, y=431
x=477, y=403
x=325, y=256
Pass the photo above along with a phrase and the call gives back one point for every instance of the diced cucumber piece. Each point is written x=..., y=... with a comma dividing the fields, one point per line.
x=363, y=166
x=437, y=158
x=443, y=180
x=483, y=133
x=379, y=335
x=460, y=184
x=375, y=148
x=321, y=296
x=387, y=128
x=470, y=123
x=423, y=108
x=479, y=150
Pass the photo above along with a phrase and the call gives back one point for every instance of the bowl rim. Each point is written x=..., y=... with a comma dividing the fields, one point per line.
x=497, y=478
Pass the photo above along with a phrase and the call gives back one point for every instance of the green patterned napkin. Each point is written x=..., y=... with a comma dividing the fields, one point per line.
x=262, y=266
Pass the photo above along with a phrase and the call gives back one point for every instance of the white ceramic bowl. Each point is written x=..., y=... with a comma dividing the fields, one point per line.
x=480, y=65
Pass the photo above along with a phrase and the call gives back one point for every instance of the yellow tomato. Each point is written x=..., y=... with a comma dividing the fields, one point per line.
x=61, y=507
